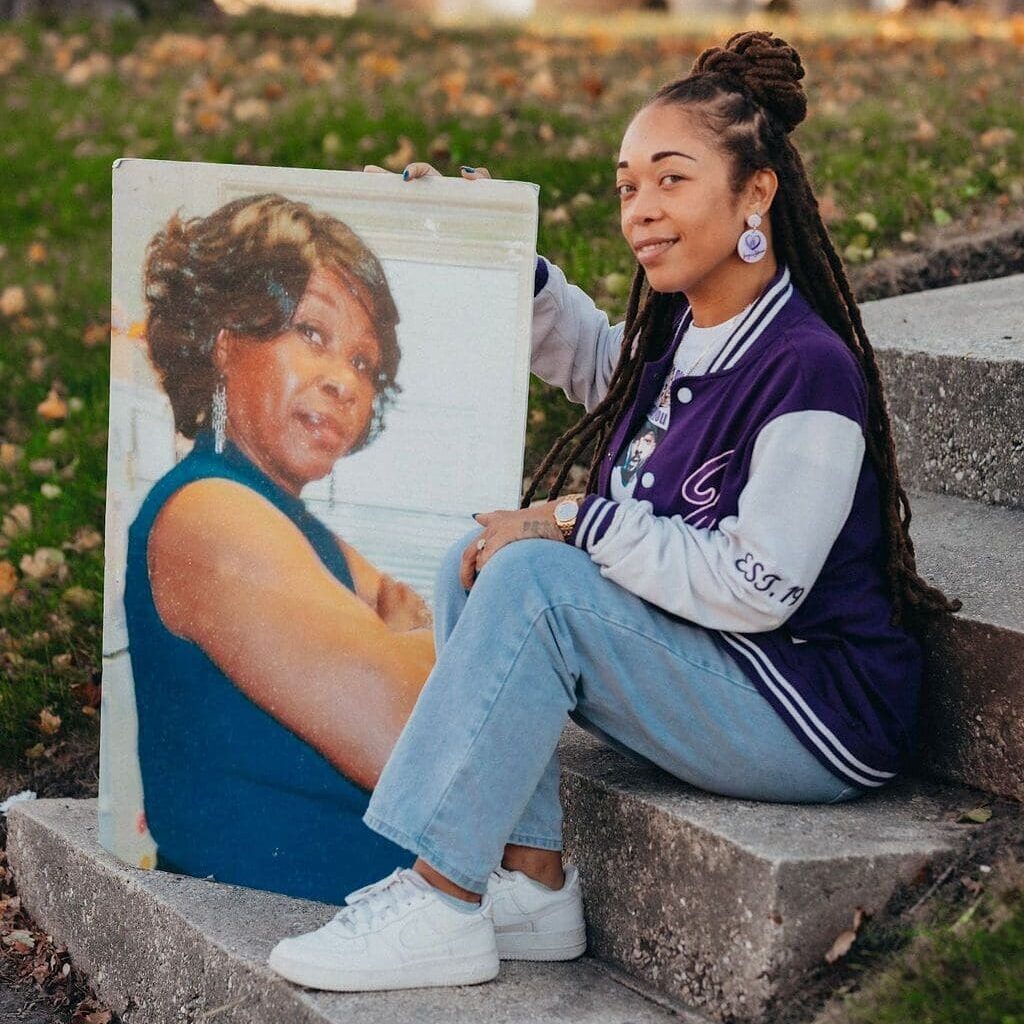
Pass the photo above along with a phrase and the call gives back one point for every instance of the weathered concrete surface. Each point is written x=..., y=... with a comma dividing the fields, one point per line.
x=972, y=725
x=724, y=904
x=952, y=362
x=166, y=949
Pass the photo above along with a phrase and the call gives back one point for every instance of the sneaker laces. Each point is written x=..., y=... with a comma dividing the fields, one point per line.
x=377, y=903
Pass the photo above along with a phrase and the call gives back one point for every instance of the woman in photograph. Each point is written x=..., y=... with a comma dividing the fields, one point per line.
x=274, y=667
x=742, y=618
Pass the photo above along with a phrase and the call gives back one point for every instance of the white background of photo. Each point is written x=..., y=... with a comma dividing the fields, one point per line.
x=459, y=258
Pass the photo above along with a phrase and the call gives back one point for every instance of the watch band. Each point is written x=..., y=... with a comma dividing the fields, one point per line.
x=566, y=512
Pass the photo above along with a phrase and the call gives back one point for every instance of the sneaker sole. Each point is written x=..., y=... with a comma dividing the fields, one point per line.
x=552, y=946
x=424, y=974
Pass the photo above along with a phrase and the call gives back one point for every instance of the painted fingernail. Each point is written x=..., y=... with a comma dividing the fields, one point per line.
x=405, y=174
x=469, y=170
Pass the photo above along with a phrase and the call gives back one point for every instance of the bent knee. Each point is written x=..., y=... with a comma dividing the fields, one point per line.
x=535, y=564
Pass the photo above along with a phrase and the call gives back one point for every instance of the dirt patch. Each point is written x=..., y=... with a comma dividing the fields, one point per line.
x=38, y=982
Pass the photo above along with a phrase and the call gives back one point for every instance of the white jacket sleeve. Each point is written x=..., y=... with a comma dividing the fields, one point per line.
x=574, y=346
x=751, y=573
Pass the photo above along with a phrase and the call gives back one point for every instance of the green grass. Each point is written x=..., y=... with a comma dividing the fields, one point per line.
x=967, y=966
x=867, y=97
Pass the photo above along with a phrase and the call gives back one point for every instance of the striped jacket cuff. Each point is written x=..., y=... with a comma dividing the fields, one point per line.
x=540, y=276
x=592, y=522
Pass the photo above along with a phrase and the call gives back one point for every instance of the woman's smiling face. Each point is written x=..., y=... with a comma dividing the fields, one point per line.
x=301, y=400
x=678, y=211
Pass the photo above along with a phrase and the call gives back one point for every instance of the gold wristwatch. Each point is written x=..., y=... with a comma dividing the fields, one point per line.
x=566, y=511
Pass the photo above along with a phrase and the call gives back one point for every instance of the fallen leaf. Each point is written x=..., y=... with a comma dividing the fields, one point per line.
x=37, y=253
x=615, y=284
x=829, y=208
x=85, y=539
x=10, y=455
x=45, y=294
x=976, y=816
x=96, y=334
x=42, y=467
x=8, y=579
x=925, y=131
x=35, y=752
x=845, y=940
x=13, y=301
x=402, y=156
x=17, y=521
x=79, y=597
x=49, y=723
x=52, y=407
x=543, y=86
x=867, y=220
x=50, y=491
x=250, y=110
x=20, y=937
x=558, y=215
x=42, y=564
x=995, y=137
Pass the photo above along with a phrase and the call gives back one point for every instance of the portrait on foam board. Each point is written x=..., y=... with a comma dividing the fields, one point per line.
x=316, y=378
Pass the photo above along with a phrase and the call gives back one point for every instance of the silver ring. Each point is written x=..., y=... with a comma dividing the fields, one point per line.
x=481, y=544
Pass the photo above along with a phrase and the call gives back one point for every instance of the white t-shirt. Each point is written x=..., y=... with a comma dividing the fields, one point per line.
x=694, y=355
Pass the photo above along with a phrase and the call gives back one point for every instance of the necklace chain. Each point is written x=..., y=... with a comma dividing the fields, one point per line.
x=714, y=339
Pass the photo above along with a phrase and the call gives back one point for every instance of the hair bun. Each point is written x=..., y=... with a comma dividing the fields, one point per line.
x=765, y=66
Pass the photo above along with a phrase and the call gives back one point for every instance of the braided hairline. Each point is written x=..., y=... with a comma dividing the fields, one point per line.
x=803, y=244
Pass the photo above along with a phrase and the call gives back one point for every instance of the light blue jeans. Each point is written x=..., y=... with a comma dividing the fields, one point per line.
x=542, y=637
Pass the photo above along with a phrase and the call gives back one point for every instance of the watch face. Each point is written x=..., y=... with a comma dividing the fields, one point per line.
x=566, y=511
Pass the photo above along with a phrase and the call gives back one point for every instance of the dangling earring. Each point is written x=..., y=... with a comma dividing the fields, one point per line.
x=753, y=245
x=219, y=415
x=330, y=491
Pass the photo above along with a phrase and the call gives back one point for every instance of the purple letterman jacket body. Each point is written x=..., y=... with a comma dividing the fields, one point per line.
x=757, y=517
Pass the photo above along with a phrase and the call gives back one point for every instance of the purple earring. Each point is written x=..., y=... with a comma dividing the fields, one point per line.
x=753, y=245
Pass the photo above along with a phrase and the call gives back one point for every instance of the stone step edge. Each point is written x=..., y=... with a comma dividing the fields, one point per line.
x=189, y=948
x=727, y=916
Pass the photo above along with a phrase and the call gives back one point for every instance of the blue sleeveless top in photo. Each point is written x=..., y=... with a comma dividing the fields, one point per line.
x=229, y=791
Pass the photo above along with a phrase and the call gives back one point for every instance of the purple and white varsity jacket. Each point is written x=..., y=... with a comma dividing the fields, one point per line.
x=757, y=517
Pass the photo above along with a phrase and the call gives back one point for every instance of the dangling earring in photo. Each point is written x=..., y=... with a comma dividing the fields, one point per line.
x=753, y=245
x=330, y=492
x=219, y=415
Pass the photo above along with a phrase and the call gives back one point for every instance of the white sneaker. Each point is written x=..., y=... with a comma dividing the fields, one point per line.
x=533, y=922
x=396, y=933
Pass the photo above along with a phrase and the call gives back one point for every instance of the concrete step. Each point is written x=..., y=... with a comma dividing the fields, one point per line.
x=725, y=904
x=952, y=362
x=972, y=726
x=167, y=949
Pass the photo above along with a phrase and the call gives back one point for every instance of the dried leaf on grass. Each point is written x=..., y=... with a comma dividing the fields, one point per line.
x=8, y=579
x=975, y=816
x=53, y=407
x=13, y=301
x=86, y=539
x=17, y=521
x=845, y=940
x=43, y=564
x=49, y=723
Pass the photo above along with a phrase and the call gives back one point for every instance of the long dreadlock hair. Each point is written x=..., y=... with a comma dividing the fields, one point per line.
x=748, y=95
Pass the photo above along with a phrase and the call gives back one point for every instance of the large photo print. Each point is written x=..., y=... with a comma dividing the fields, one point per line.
x=316, y=378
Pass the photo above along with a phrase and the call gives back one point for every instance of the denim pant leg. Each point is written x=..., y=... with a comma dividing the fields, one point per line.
x=540, y=825
x=542, y=635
